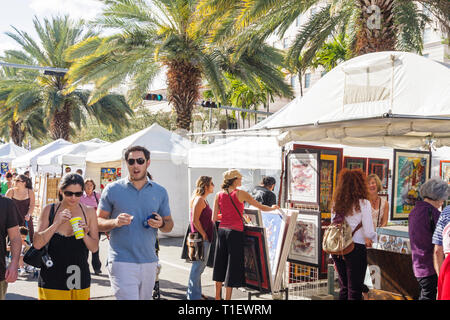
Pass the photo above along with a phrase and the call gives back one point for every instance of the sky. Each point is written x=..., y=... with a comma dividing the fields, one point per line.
x=20, y=14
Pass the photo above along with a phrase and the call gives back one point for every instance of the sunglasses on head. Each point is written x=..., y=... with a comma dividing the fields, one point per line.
x=70, y=194
x=19, y=181
x=140, y=161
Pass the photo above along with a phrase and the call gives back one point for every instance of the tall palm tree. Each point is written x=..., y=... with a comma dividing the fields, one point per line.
x=27, y=91
x=162, y=35
x=370, y=25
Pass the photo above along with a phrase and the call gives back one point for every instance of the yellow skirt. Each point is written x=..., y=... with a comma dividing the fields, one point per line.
x=52, y=294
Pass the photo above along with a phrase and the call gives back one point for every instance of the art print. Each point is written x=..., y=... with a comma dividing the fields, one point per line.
x=252, y=216
x=380, y=167
x=355, y=163
x=303, y=177
x=411, y=170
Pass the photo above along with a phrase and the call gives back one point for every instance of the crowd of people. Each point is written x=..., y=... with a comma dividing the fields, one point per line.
x=132, y=210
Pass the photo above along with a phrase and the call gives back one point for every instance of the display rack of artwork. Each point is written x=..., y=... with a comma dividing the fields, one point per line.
x=412, y=168
x=355, y=163
x=444, y=173
x=252, y=216
x=380, y=167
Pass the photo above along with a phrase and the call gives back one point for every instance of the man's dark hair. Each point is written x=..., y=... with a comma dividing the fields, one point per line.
x=23, y=231
x=268, y=181
x=137, y=148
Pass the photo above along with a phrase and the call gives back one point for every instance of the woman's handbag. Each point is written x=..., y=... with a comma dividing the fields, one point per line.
x=195, y=247
x=35, y=257
x=338, y=238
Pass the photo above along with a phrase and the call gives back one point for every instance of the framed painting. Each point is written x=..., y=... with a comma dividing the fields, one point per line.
x=380, y=167
x=274, y=223
x=252, y=216
x=290, y=217
x=256, y=260
x=306, y=246
x=355, y=163
x=108, y=175
x=328, y=176
x=411, y=169
x=303, y=177
x=4, y=168
x=444, y=170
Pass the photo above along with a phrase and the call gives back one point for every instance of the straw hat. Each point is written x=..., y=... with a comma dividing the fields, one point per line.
x=231, y=174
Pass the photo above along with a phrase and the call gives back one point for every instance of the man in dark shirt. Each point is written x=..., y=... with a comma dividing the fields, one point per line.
x=264, y=192
x=9, y=226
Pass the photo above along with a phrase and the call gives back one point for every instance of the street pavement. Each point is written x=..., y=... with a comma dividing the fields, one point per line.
x=173, y=277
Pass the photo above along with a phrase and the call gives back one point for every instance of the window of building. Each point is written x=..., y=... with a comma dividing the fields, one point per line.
x=285, y=43
x=297, y=21
x=307, y=80
x=292, y=81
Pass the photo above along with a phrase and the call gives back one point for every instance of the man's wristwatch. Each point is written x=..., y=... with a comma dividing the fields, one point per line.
x=164, y=223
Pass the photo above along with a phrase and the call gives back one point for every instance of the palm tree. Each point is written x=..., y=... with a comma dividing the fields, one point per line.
x=370, y=25
x=27, y=91
x=159, y=36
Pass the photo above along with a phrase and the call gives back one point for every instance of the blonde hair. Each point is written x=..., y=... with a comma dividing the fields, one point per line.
x=377, y=180
x=202, y=183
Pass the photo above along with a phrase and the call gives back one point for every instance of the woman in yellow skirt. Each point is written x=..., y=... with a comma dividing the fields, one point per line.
x=69, y=277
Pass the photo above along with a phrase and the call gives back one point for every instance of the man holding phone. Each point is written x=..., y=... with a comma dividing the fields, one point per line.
x=123, y=207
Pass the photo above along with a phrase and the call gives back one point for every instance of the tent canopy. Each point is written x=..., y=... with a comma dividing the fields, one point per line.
x=394, y=99
x=73, y=155
x=9, y=151
x=30, y=159
x=244, y=153
x=162, y=144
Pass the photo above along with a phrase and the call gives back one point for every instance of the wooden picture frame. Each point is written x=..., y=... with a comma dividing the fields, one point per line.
x=290, y=222
x=303, y=177
x=306, y=247
x=256, y=260
x=326, y=155
x=355, y=163
x=380, y=167
x=411, y=169
x=253, y=215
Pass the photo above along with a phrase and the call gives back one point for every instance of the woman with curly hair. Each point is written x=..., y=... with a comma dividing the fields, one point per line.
x=351, y=203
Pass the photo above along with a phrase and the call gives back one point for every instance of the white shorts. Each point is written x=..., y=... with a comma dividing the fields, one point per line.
x=132, y=281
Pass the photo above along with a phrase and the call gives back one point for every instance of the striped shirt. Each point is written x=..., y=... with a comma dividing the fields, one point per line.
x=444, y=219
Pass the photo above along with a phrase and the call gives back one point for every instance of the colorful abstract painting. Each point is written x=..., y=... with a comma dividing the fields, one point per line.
x=380, y=167
x=303, y=177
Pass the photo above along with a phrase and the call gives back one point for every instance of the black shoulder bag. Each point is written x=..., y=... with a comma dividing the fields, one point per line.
x=33, y=256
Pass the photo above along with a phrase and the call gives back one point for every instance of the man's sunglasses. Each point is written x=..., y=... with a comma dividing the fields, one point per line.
x=71, y=194
x=140, y=161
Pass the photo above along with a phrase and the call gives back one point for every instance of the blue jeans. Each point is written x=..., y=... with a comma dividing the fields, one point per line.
x=194, y=291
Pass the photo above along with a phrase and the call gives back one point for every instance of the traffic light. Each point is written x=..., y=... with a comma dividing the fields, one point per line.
x=209, y=104
x=153, y=96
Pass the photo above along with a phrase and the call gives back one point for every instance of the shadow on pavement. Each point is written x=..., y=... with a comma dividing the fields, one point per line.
x=171, y=242
x=15, y=296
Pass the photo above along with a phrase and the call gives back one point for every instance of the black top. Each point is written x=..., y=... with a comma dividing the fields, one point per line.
x=266, y=197
x=8, y=219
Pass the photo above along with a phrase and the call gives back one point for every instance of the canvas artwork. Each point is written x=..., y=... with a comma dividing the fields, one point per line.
x=445, y=170
x=3, y=168
x=355, y=163
x=303, y=177
x=328, y=175
x=306, y=247
x=252, y=216
x=411, y=170
x=256, y=262
x=274, y=223
x=108, y=175
x=380, y=167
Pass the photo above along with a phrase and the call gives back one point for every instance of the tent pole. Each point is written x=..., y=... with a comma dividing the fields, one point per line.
x=280, y=192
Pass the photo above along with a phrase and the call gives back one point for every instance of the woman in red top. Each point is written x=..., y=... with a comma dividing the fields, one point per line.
x=229, y=255
x=444, y=273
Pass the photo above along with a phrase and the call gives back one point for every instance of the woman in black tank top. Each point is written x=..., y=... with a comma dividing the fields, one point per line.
x=69, y=277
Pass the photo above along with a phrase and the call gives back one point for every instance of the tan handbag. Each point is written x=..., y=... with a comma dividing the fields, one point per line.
x=338, y=238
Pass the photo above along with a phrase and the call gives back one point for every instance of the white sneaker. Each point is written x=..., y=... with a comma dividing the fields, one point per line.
x=22, y=272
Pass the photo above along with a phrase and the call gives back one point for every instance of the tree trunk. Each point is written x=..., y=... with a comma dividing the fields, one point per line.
x=16, y=132
x=184, y=81
x=60, y=124
x=376, y=27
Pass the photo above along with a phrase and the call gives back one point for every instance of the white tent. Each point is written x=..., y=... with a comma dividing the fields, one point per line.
x=395, y=99
x=29, y=160
x=168, y=166
x=70, y=155
x=9, y=151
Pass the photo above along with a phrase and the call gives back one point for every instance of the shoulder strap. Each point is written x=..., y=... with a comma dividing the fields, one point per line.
x=432, y=225
x=357, y=228
x=240, y=215
x=82, y=210
x=51, y=216
x=95, y=196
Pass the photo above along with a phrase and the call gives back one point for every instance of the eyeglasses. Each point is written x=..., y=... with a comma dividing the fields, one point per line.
x=71, y=194
x=140, y=161
x=19, y=181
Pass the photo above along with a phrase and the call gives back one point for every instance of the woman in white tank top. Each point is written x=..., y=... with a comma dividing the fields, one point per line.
x=380, y=208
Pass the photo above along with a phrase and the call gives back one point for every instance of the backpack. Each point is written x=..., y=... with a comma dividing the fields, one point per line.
x=338, y=238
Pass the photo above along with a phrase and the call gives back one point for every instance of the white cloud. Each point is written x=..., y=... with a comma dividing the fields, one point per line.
x=76, y=9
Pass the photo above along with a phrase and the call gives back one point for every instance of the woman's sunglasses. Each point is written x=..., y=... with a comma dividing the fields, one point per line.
x=140, y=161
x=71, y=194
